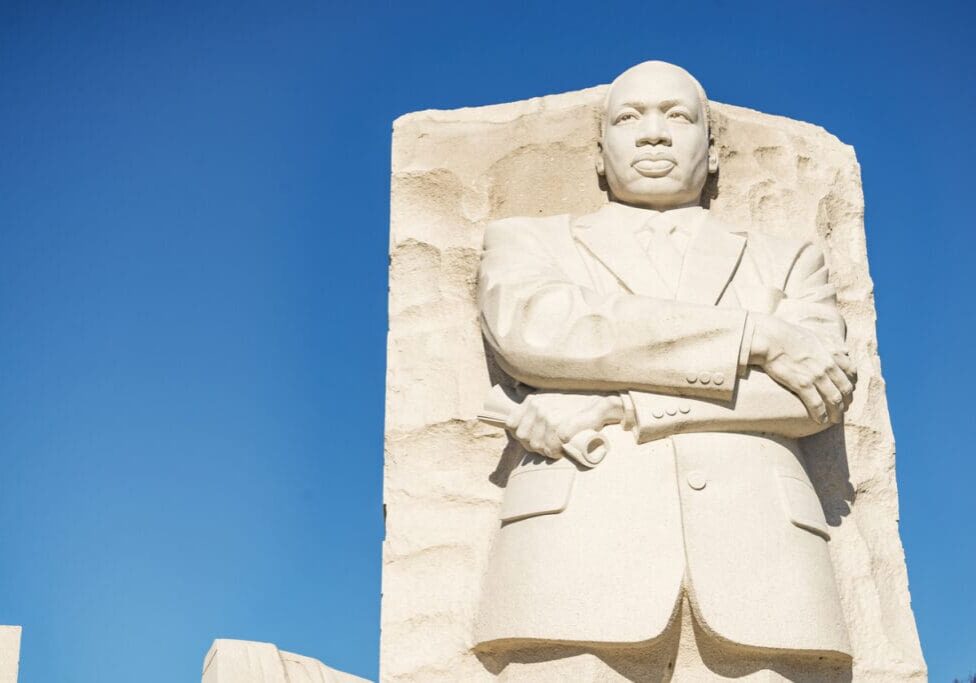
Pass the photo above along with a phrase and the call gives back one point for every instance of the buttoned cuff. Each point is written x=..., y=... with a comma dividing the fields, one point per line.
x=658, y=415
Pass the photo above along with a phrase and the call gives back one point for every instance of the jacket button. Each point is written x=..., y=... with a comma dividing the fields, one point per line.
x=718, y=378
x=672, y=411
x=704, y=378
x=696, y=480
x=658, y=413
x=684, y=408
x=691, y=378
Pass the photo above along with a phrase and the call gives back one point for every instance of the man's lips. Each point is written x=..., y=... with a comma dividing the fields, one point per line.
x=653, y=165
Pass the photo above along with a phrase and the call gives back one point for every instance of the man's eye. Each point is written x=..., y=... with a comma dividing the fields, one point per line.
x=679, y=116
x=629, y=116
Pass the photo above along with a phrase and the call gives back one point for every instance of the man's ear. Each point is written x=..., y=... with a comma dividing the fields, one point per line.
x=712, y=156
x=599, y=159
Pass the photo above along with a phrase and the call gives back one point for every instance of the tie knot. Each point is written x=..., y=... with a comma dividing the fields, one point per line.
x=660, y=225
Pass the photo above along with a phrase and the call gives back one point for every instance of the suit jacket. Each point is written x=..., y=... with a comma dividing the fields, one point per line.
x=708, y=491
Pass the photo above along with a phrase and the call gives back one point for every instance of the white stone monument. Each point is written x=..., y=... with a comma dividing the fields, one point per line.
x=9, y=653
x=673, y=305
x=245, y=661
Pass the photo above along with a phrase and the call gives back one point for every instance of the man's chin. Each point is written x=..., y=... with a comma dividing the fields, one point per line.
x=657, y=193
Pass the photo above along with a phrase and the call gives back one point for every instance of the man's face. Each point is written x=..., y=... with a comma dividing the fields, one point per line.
x=655, y=150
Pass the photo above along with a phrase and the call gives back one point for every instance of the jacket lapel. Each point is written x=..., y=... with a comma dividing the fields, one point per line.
x=710, y=262
x=609, y=235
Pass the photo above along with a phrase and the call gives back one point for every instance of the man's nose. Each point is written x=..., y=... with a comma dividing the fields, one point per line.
x=654, y=130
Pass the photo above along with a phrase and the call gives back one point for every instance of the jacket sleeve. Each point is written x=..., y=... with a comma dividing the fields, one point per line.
x=760, y=404
x=810, y=300
x=550, y=332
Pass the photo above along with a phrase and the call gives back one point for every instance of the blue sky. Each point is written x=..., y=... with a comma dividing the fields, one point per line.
x=193, y=232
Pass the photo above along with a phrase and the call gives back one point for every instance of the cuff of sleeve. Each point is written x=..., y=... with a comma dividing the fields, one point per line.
x=630, y=412
x=745, y=348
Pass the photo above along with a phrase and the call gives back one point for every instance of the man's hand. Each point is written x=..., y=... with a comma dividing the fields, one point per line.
x=543, y=422
x=820, y=373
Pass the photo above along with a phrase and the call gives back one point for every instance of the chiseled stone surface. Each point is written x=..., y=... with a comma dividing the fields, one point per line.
x=456, y=171
x=9, y=653
x=245, y=661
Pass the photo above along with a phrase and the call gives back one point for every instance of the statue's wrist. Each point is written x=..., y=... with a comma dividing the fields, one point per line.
x=621, y=410
x=616, y=409
x=758, y=342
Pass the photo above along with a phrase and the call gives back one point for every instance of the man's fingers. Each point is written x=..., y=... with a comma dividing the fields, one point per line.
x=537, y=437
x=590, y=418
x=570, y=428
x=554, y=446
x=814, y=403
x=543, y=423
x=842, y=383
x=832, y=398
x=526, y=422
x=845, y=363
x=515, y=416
x=525, y=413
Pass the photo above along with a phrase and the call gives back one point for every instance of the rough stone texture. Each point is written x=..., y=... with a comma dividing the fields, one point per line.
x=454, y=171
x=9, y=653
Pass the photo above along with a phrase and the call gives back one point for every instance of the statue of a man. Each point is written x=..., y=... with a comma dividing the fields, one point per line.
x=703, y=352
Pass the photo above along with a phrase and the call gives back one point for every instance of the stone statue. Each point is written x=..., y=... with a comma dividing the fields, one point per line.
x=701, y=352
x=669, y=358
x=245, y=661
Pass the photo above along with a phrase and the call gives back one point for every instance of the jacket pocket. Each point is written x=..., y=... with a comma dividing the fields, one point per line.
x=538, y=489
x=802, y=505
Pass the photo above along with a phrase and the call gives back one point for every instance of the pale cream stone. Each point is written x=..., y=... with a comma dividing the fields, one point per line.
x=245, y=661
x=445, y=473
x=9, y=653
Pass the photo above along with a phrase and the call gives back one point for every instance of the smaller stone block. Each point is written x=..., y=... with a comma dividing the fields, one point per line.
x=9, y=653
x=245, y=661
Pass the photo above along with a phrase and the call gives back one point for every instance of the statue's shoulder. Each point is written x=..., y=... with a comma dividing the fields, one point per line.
x=774, y=247
x=777, y=255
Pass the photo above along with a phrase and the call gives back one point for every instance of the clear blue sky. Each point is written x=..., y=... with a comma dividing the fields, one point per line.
x=193, y=233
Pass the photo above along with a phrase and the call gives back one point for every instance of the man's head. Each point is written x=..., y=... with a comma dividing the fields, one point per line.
x=655, y=150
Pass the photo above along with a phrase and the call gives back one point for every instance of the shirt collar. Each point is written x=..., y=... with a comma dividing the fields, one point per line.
x=685, y=219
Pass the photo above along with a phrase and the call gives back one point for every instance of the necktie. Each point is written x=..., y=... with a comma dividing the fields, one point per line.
x=662, y=243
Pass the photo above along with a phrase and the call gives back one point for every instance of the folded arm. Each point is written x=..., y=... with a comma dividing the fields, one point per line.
x=551, y=333
x=678, y=365
x=762, y=404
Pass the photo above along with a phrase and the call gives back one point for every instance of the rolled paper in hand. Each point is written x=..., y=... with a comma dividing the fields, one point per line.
x=588, y=448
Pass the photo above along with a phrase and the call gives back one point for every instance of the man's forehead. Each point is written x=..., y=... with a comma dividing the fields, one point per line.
x=652, y=83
